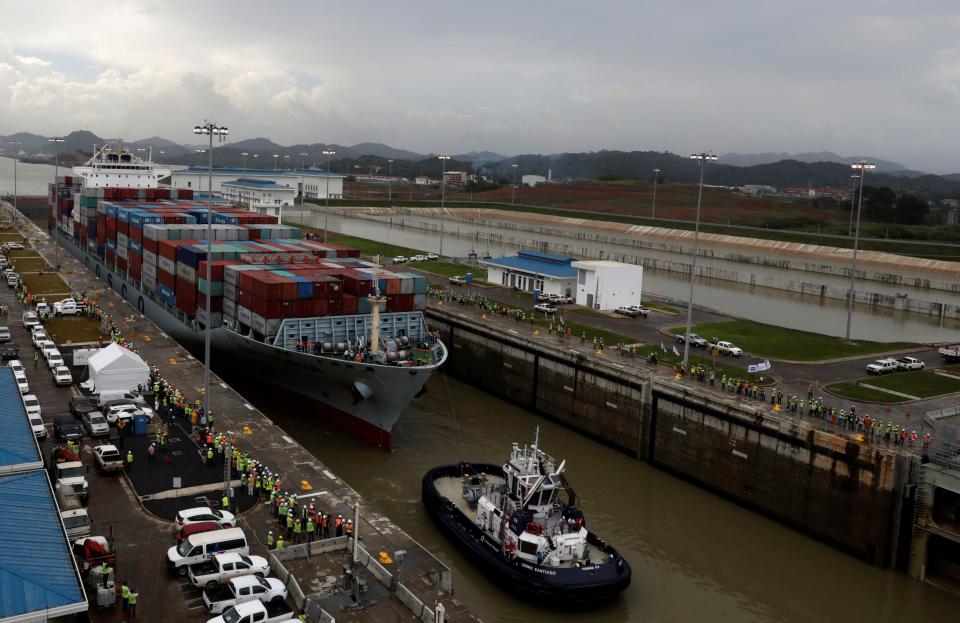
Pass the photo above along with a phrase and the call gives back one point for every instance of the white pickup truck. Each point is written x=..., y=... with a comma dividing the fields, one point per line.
x=726, y=348
x=241, y=590
x=68, y=307
x=255, y=612
x=222, y=567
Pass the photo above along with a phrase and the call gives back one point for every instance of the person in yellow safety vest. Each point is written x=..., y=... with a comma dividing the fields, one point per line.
x=129, y=459
x=225, y=502
x=270, y=541
x=124, y=595
x=289, y=523
x=280, y=542
x=311, y=528
x=209, y=457
x=132, y=601
x=297, y=529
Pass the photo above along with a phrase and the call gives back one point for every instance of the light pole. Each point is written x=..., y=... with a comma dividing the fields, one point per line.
x=443, y=196
x=245, y=154
x=862, y=166
x=286, y=163
x=210, y=130
x=56, y=191
x=653, y=207
x=701, y=158
x=513, y=186
x=853, y=195
x=326, y=192
x=389, y=180
x=255, y=156
x=303, y=184
x=16, y=151
x=275, y=156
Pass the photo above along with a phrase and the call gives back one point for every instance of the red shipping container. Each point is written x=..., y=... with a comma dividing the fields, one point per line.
x=186, y=294
x=122, y=264
x=303, y=308
x=348, y=304
x=216, y=270
x=134, y=270
x=166, y=278
x=216, y=302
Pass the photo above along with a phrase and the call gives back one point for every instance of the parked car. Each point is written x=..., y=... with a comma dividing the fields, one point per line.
x=5, y=334
x=432, y=257
x=45, y=345
x=32, y=405
x=41, y=308
x=640, y=310
x=14, y=246
x=69, y=475
x=109, y=458
x=68, y=307
x=9, y=350
x=116, y=410
x=626, y=311
x=695, y=340
x=726, y=348
x=562, y=299
x=21, y=379
x=197, y=528
x=95, y=424
x=65, y=428
x=204, y=513
x=13, y=280
x=36, y=424
x=458, y=280
x=30, y=320
x=883, y=366
x=400, y=259
x=255, y=612
x=418, y=258
x=16, y=365
x=80, y=405
x=241, y=590
x=910, y=363
x=62, y=376
x=55, y=359
x=545, y=308
x=106, y=396
x=222, y=567
x=39, y=337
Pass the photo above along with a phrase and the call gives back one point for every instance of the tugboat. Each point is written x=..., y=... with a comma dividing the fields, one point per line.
x=520, y=524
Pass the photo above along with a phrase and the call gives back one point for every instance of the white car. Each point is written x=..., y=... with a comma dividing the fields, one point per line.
x=241, y=590
x=16, y=365
x=36, y=423
x=55, y=359
x=883, y=366
x=62, y=376
x=640, y=310
x=910, y=363
x=432, y=257
x=30, y=320
x=126, y=411
x=204, y=513
x=39, y=336
x=545, y=308
x=418, y=258
x=14, y=246
x=458, y=280
x=45, y=345
x=32, y=405
x=22, y=384
x=42, y=308
x=222, y=567
x=400, y=259
x=562, y=299
x=727, y=348
x=695, y=340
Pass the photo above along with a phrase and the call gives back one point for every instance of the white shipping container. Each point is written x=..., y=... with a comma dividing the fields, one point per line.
x=261, y=324
x=149, y=270
x=229, y=291
x=229, y=306
x=149, y=257
x=217, y=317
x=122, y=252
x=187, y=273
x=155, y=232
x=243, y=315
x=149, y=283
x=167, y=265
x=122, y=240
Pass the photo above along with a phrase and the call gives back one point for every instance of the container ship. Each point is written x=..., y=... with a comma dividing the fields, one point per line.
x=309, y=317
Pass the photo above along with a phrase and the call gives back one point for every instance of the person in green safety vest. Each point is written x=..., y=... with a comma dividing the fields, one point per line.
x=311, y=528
x=270, y=540
x=209, y=457
x=280, y=541
x=129, y=459
x=132, y=601
x=124, y=595
x=297, y=529
x=289, y=523
x=302, y=618
x=225, y=502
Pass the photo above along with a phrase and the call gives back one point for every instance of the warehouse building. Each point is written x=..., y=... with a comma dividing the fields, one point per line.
x=316, y=183
x=261, y=196
x=39, y=580
x=606, y=285
x=533, y=271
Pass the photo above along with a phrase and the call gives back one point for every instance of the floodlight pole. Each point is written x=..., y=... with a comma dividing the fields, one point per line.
x=863, y=165
x=701, y=158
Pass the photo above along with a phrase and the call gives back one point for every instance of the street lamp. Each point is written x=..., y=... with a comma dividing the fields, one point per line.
x=16, y=151
x=326, y=213
x=303, y=186
x=275, y=156
x=853, y=195
x=255, y=156
x=210, y=130
x=245, y=154
x=389, y=180
x=56, y=191
x=513, y=187
x=862, y=166
x=701, y=159
x=653, y=207
x=286, y=165
x=443, y=196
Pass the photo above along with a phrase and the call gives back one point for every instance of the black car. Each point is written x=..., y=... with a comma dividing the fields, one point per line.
x=9, y=351
x=65, y=427
x=80, y=405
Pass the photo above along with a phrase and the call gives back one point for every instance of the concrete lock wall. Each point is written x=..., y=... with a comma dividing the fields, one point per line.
x=832, y=488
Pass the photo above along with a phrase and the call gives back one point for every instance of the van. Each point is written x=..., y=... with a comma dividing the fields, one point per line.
x=120, y=394
x=201, y=547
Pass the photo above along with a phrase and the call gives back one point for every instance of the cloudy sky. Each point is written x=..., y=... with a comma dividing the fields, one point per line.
x=879, y=77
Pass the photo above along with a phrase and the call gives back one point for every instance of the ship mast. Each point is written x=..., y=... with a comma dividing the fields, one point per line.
x=376, y=299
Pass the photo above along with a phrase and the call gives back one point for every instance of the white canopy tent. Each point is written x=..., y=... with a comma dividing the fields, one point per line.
x=115, y=367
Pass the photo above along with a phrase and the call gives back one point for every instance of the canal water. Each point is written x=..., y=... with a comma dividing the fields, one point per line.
x=695, y=556
x=32, y=179
x=779, y=307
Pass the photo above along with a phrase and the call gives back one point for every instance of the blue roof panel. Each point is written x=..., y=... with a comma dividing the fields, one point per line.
x=264, y=184
x=549, y=257
x=535, y=266
x=240, y=171
x=18, y=446
x=37, y=571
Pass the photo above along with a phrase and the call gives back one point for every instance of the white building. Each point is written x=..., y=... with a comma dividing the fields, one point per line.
x=532, y=180
x=261, y=196
x=315, y=182
x=533, y=271
x=605, y=285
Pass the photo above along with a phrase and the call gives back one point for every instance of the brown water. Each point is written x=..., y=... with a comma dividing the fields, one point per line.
x=695, y=556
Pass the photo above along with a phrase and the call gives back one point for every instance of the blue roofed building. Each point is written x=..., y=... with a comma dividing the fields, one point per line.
x=39, y=579
x=314, y=183
x=259, y=195
x=534, y=271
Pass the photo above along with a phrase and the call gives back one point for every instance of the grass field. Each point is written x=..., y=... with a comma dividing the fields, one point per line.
x=449, y=269
x=47, y=283
x=10, y=236
x=772, y=342
x=853, y=391
x=21, y=253
x=72, y=329
x=30, y=264
x=661, y=307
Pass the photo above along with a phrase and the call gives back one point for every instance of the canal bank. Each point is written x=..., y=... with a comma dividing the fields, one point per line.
x=426, y=580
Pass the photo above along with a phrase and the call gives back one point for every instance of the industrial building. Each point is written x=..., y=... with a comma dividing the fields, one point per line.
x=606, y=285
x=261, y=196
x=39, y=580
x=316, y=183
x=534, y=271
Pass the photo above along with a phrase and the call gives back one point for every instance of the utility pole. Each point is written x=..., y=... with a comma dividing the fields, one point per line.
x=513, y=186
x=862, y=166
x=701, y=158
x=653, y=207
x=326, y=212
x=443, y=197
x=389, y=180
